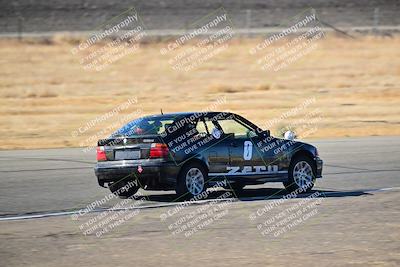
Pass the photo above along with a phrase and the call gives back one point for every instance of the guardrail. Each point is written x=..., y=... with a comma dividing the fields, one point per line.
x=174, y=32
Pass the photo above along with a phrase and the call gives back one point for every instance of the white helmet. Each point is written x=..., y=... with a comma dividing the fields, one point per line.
x=290, y=135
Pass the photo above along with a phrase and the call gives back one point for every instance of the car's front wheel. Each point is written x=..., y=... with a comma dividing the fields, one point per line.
x=191, y=180
x=301, y=175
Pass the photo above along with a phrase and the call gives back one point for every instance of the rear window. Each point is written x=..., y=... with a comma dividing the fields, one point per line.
x=144, y=126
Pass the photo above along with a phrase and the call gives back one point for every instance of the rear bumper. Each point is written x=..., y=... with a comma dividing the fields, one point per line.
x=319, y=163
x=151, y=173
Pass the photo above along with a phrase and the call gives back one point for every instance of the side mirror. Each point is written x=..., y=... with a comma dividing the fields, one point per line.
x=263, y=133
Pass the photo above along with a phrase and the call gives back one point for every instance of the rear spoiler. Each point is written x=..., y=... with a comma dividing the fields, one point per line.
x=138, y=139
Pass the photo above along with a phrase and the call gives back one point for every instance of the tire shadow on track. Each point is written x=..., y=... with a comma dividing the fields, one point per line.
x=261, y=194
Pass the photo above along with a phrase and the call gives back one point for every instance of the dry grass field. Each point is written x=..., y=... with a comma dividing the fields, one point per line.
x=45, y=95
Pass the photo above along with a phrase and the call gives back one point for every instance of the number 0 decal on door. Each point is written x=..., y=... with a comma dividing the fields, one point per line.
x=247, y=150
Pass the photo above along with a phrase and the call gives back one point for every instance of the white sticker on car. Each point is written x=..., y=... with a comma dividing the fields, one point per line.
x=247, y=150
x=216, y=133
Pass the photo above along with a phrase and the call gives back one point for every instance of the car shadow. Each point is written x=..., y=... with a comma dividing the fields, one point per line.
x=255, y=194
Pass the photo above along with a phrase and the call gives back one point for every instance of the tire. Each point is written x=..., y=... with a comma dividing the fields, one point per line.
x=301, y=175
x=191, y=180
x=123, y=189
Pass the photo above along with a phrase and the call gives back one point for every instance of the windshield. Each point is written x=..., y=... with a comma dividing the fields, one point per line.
x=144, y=126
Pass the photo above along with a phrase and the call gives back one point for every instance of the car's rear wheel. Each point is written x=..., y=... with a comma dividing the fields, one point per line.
x=301, y=175
x=191, y=181
x=123, y=189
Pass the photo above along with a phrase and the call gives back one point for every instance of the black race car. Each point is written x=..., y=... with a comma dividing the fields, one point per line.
x=188, y=152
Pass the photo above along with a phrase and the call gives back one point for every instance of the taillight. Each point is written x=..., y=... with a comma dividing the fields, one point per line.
x=101, y=154
x=158, y=150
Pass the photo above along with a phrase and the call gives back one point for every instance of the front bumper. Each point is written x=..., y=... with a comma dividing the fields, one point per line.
x=319, y=163
x=151, y=173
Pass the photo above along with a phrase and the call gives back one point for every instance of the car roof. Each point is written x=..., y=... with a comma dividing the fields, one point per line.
x=187, y=114
x=209, y=114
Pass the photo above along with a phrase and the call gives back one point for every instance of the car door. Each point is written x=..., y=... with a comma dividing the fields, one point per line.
x=266, y=147
x=247, y=158
x=244, y=159
x=215, y=148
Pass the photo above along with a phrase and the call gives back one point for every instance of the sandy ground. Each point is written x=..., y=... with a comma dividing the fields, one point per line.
x=45, y=93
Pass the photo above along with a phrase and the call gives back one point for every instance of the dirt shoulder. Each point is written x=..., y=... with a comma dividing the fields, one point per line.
x=48, y=100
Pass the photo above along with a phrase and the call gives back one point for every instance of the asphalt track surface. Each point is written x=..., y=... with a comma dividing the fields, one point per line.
x=53, y=180
x=357, y=221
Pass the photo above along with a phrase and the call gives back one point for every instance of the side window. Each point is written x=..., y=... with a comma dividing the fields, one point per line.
x=205, y=127
x=164, y=125
x=201, y=128
x=235, y=128
x=210, y=126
